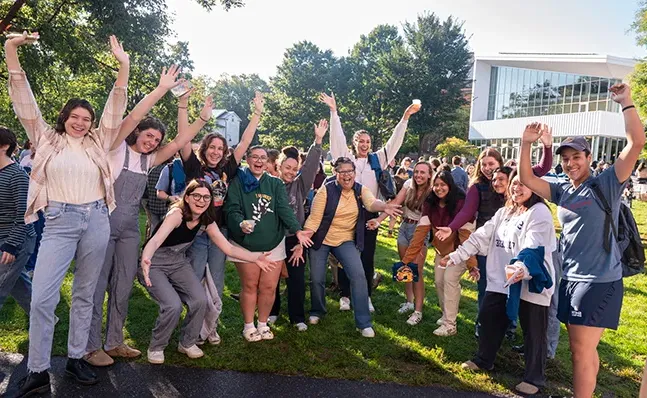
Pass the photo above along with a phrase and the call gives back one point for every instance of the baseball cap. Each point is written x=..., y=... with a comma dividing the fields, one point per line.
x=577, y=143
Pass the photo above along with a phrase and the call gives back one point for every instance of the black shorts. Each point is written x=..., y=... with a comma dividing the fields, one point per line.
x=590, y=304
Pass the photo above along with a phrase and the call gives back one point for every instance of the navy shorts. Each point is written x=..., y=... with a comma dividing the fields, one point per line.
x=590, y=304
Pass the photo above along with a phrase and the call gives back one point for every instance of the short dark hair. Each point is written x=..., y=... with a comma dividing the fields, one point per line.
x=342, y=160
x=255, y=147
x=289, y=152
x=71, y=105
x=7, y=137
x=149, y=122
x=456, y=160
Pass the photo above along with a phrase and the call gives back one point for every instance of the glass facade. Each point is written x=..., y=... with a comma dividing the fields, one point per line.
x=516, y=92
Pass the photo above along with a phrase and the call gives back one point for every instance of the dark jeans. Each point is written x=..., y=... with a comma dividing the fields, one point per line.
x=38, y=227
x=368, y=262
x=296, y=286
x=494, y=323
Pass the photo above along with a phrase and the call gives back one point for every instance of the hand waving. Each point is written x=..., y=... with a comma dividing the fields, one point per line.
x=329, y=100
x=320, y=129
x=532, y=133
x=168, y=78
x=25, y=38
x=621, y=93
x=118, y=51
x=207, y=109
x=546, y=136
x=259, y=103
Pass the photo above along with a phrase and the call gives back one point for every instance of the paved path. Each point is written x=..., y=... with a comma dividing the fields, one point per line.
x=127, y=379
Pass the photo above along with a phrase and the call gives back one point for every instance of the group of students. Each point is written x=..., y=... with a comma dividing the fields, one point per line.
x=89, y=182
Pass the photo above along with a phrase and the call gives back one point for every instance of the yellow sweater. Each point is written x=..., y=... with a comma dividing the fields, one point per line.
x=342, y=227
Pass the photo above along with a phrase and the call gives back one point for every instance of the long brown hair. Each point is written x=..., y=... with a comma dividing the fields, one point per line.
x=477, y=176
x=513, y=206
x=206, y=218
x=204, y=145
x=417, y=195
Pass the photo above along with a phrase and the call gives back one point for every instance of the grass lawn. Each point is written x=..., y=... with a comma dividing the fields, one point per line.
x=399, y=353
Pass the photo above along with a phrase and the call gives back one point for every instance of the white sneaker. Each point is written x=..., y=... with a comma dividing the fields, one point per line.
x=272, y=319
x=440, y=322
x=192, y=352
x=370, y=305
x=301, y=327
x=313, y=320
x=344, y=304
x=214, y=338
x=406, y=307
x=445, y=331
x=156, y=357
x=415, y=318
x=368, y=332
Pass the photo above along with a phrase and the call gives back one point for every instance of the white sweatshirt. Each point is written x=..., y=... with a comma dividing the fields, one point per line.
x=502, y=238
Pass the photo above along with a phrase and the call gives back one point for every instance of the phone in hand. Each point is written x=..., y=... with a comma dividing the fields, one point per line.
x=182, y=88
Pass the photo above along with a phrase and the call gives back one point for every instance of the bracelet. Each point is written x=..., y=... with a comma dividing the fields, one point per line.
x=181, y=107
x=257, y=113
x=628, y=107
x=206, y=121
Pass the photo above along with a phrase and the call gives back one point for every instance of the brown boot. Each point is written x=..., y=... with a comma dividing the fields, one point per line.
x=124, y=351
x=98, y=358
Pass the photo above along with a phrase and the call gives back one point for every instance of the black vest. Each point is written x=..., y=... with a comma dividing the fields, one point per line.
x=489, y=203
x=333, y=194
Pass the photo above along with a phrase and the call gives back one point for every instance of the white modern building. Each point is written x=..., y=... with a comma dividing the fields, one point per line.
x=569, y=92
x=228, y=124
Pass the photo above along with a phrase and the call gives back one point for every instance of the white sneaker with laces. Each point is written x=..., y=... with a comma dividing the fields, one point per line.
x=313, y=320
x=415, y=318
x=301, y=327
x=370, y=305
x=406, y=307
x=445, y=331
x=192, y=352
x=440, y=321
x=368, y=332
x=344, y=304
x=214, y=338
x=156, y=357
x=272, y=319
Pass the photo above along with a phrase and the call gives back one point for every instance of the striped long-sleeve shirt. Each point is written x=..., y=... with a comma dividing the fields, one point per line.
x=14, y=184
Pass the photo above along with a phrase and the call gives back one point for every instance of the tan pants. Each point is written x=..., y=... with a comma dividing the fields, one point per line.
x=448, y=287
x=643, y=386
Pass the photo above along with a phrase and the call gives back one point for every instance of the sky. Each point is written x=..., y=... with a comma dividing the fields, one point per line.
x=254, y=38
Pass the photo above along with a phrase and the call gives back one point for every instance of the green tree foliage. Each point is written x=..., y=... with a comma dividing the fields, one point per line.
x=639, y=77
x=236, y=92
x=453, y=146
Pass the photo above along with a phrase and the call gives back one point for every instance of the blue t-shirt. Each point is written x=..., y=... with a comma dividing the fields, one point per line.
x=582, y=216
x=162, y=183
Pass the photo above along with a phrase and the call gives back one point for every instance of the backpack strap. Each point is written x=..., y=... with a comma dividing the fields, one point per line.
x=170, y=177
x=608, y=217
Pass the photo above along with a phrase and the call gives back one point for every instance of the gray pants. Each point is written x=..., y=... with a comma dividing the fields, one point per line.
x=202, y=252
x=174, y=283
x=117, y=278
x=78, y=232
x=12, y=280
x=554, y=325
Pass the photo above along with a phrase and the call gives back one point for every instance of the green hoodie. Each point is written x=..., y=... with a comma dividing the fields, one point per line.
x=267, y=205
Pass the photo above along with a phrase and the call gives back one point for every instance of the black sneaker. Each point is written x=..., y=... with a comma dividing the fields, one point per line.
x=34, y=383
x=519, y=349
x=235, y=296
x=81, y=372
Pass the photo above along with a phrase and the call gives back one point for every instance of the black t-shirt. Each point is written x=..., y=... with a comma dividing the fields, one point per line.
x=218, y=178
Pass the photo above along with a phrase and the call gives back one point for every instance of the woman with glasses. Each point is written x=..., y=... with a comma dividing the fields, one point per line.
x=168, y=276
x=338, y=221
x=258, y=218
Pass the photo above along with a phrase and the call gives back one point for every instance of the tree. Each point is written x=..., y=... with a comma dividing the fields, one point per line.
x=235, y=93
x=453, y=146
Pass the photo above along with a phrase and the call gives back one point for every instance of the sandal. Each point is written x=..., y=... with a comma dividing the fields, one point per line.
x=266, y=333
x=252, y=335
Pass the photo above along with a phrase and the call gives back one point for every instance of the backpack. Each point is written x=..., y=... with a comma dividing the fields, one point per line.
x=383, y=177
x=626, y=234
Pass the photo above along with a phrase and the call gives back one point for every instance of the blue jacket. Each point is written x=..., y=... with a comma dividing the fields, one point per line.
x=533, y=259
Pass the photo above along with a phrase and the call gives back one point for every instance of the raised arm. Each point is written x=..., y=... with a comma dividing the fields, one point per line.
x=238, y=252
x=310, y=166
x=338, y=145
x=185, y=135
x=624, y=165
x=248, y=134
x=531, y=134
x=139, y=112
x=546, y=162
x=24, y=103
x=395, y=141
x=375, y=205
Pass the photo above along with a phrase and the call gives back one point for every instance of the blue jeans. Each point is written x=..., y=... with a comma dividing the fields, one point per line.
x=38, y=227
x=350, y=259
x=78, y=232
x=202, y=252
x=13, y=278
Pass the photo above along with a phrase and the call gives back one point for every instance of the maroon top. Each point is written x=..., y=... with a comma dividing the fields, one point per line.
x=439, y=216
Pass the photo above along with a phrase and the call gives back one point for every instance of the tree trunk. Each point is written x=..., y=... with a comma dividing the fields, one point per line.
x=11, y=14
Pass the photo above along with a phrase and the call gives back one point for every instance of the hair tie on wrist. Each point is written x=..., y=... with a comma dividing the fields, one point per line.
x=206, y=121
x=181, y=107
x=628, y=107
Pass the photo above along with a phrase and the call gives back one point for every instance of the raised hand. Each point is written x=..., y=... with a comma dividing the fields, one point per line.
x=25, y=38
x=372, y=224
x=546, y=136
x=264, y=263
x=297, y=255
x=329, y=100
x=146, y=268
x=168, y=78
x=320, y=130
x=532, y=133
x=259, y=103
x=411, y=109
x=304, y=237
x=393, y=210
x=443, y=233
x=621, y=93
x=207, y=109
x=118, y=51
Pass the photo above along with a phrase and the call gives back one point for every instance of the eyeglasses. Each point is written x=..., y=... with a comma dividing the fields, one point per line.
x=345, y=172
x=256, y=157
x=197, y=197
